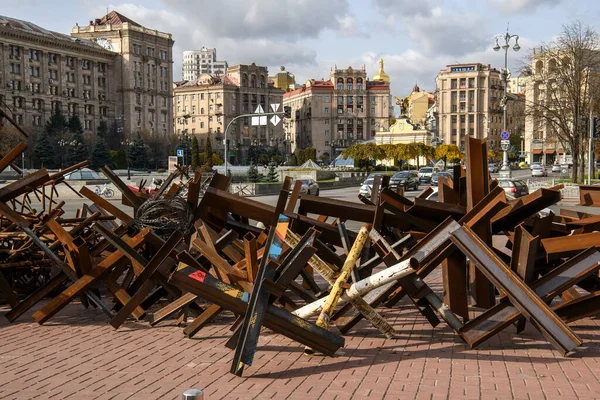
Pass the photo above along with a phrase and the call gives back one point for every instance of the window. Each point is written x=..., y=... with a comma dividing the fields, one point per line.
x=201, y=125
x=101, y=81
x=34, y=71
x=471, y=83
x=138, y=99
x=326, y=122
x=201, y=96
x=18, y=102
x=453, y=119
x=372, y=110
x=101, y=67
x=359, y=83
x=326, y=110
x=326, y=99
x=87, y=124
x=349, y=83
x=471, y=118
x=453, y=131
x=163, y=101
x=36, y=120
x=163, y=116
x=87, y=79
x=150, y=51
x=103, y=111
x=34, y=55
x=326, y=132
x=462, y=119
x=15, y=84
x=19, y=119
x=15, y=68
x=453, y=84
x=85, y=64
x=89, y=109
x=340, y=84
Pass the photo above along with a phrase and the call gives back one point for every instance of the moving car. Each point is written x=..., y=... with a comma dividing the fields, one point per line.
x=436, y=175
x=514, y=187
x=405, y=179
x=309, y=186
x=425, y=174
x=367, y=186
x=493, y=168
x=538, y=170
x=555, y=167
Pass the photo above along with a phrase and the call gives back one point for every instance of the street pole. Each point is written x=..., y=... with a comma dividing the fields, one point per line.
x=236, y=118
x=505, y=170
x=591, y=146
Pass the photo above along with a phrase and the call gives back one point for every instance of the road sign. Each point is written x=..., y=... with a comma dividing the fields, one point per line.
x=275, y=120
x=275, y=106
x=179, y=152
x=505, y=135
x=505, y=146
x=505, y=142
x=259, y=110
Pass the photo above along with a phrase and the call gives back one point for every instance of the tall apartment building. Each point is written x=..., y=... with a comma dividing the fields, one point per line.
x=143, y=69
x=42, y=71
x=203, y=61
x=205, y=106
x=518, y=84
x=469, y=103
x=333, y=114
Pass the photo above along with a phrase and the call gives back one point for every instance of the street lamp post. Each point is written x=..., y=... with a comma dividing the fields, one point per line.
x=505, y=74
x=128, y=143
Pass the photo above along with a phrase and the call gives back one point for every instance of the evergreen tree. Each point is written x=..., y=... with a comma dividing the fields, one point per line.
x=119, y=158
x=102, y=130
x=44, y=150
x=56, y=125
x=138, y=157
x=114, y=136
x=195, y=153
x=74, y=125
x=208, y=148
x=100, y=155
x=77, y=150
x=293, y=160
x=253, y=175
x=272, y=175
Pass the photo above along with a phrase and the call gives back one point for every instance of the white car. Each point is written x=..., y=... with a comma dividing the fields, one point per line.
x=366, y=187
x=555, y=167
x=538, y=170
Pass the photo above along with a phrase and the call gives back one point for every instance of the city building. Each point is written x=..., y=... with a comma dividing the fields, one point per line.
x=418, y=104
x=331, y=115
x=203, y=61
x=143, y=71
x=42, y=71
x=518, y=84
x=204, y=107
x=404, y=132
x=469, y=100
x=283, y=80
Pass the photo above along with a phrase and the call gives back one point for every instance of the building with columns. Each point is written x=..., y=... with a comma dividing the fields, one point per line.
x=469, y=103
x=204, y=107
x=331, y=115
x=143, y=68
x=113, y=69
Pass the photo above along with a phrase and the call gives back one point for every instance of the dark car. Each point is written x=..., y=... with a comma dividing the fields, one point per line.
x=405, y=179
x=514, y=187
x=436, y=175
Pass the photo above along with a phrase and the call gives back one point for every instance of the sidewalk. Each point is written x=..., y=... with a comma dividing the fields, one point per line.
x=78, y=355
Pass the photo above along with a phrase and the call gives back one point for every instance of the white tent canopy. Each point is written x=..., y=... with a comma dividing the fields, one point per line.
x=310, y=164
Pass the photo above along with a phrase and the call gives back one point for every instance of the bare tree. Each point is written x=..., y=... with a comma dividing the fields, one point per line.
x=565, y=76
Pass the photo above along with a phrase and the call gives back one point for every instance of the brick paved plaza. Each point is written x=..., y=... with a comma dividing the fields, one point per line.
x=78, y=355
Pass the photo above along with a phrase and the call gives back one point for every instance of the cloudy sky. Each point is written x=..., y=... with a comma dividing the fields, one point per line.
x=416, y=38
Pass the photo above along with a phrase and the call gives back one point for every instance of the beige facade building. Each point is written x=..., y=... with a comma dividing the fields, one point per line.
x=518, y=84
x=333, y=114
x=469, y=103
x=418, y=104
x=207, y=105
x=283, y=80
x=143, y=71
x=203, y=61
x=42, y=71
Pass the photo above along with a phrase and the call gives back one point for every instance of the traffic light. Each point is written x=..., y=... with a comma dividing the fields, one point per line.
x=287, y=112
x=596, y=127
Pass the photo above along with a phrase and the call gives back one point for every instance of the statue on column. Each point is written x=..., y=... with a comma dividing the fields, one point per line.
x=403, y=103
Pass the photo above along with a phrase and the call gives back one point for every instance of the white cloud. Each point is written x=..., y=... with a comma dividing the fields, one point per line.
x=406, y=8
x=518, y=6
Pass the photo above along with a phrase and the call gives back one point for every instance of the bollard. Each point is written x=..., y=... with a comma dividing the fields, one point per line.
x=193, y=394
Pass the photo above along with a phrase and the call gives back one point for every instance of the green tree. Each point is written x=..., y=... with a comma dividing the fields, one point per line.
x=74, y=124
x=208, y=146
x=102, y=130
x=272, y=175
x=119, y=158
x=195, y=153
x=216, y=159
x=57, y=125
x=100, y=154
x=448, y=152
x=364, y=153
x=77, y=149
x=294, y=160
x=138, y=155
x=253, y=175
x=44, y=150
x=114, y=136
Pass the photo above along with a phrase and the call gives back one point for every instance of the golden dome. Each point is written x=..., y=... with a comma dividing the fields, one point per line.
x=381, y=75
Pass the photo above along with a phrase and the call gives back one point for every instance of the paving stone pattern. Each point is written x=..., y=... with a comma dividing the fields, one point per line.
x=78, y=355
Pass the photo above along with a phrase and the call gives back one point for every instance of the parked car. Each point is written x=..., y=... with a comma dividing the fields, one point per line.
x=436, y=175
x=425, y=174
x=555, y=167
x=493, y=168
x=538, y=170
x=309, y=186
x=405, y=179
x=514, y=187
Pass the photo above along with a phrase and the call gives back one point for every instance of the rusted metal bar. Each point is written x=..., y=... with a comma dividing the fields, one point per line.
x=566, y=246
x=520, y=295
x=12, y=155
x=24, y=185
